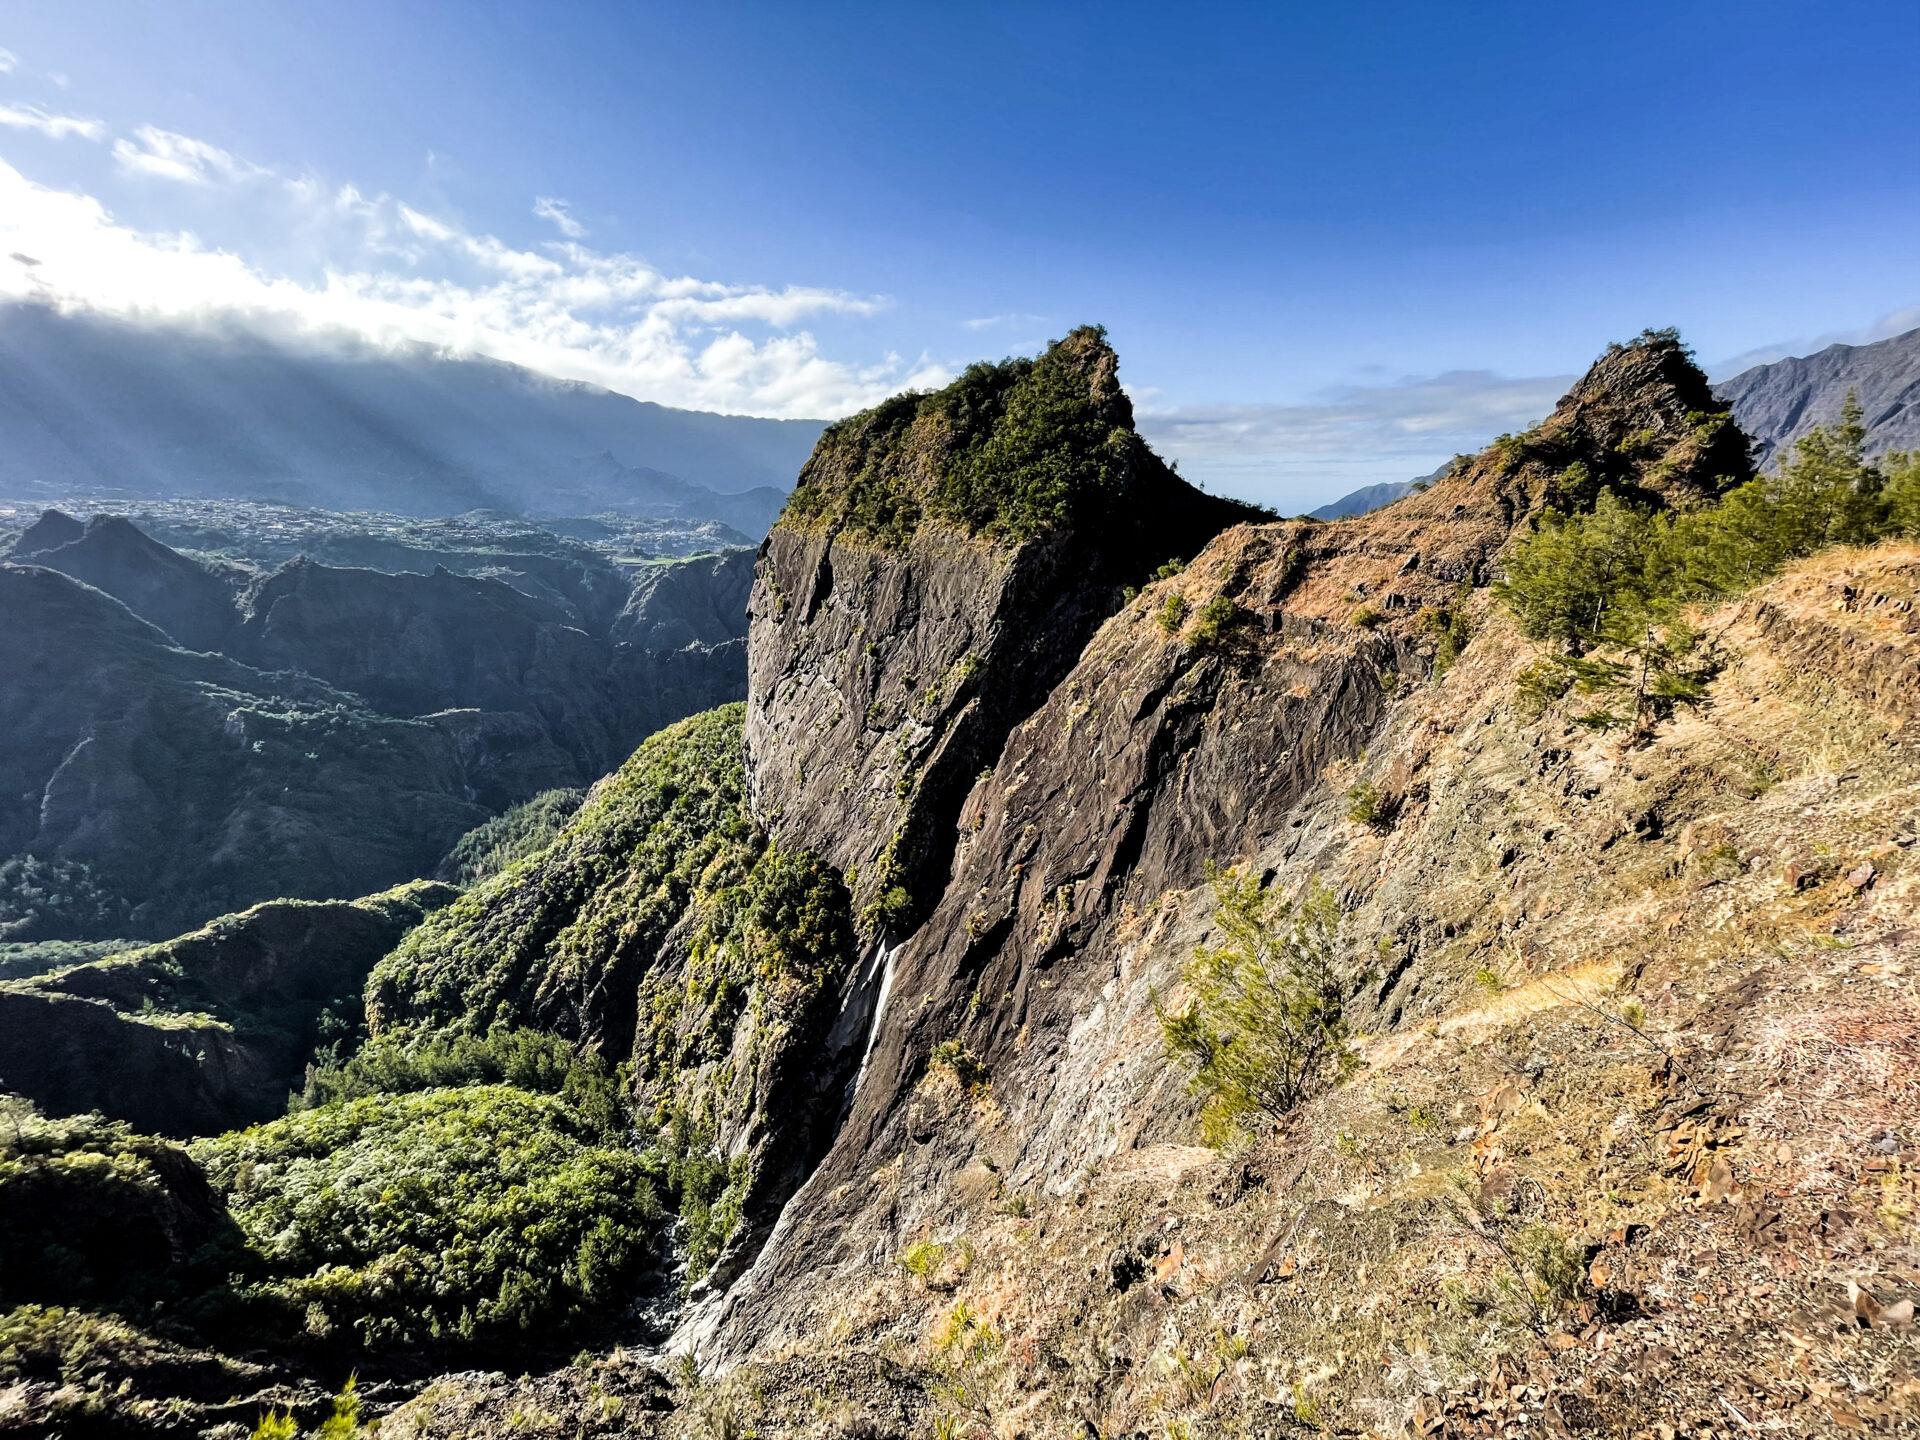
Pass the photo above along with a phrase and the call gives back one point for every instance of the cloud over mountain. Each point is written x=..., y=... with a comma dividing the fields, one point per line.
x=1347, y=436
x=374, y=269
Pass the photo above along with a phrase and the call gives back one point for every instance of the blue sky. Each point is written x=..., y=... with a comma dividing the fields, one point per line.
x=1333, y=243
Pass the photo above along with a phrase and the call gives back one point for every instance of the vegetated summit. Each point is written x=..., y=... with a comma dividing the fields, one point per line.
x=900, y=1038
x=1775, y=404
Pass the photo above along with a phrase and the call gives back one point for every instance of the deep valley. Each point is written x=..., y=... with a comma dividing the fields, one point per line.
x=1031, y=950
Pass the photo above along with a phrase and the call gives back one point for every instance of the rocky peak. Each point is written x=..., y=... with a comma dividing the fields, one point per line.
x=1642, y=420
x=53, y=529
x=184, y=598
x=942, y=563
x=1194, y=727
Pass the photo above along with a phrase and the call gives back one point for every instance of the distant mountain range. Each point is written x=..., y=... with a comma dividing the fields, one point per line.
x=95, y=406
x=1369, y=498
x=316, y=730
x=1778, y=403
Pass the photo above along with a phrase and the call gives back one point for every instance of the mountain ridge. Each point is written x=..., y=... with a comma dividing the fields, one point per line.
x=1779, y=402
x=427, y=700
x=92, y=405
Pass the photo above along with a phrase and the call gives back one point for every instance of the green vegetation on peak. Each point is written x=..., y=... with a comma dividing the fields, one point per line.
x=1006, y=451
x=1610, y=586
x=1642, y=421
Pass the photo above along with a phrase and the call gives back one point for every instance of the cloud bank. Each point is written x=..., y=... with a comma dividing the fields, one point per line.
x=385, y=273
x=1414, y=417
x=1300, y=455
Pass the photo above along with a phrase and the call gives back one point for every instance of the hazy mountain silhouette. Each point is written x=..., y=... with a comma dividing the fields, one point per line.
x=103, y=407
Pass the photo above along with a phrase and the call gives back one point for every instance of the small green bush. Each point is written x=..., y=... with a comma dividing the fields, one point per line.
x=1363, y=803
x=1217, y=617
x=1173, y=613
x=1365, y=618
x=965, y=1065
x=922, y=1258
x=1266, y=1024
x=891, y=910
x=342, y=1422
x=1451, y=629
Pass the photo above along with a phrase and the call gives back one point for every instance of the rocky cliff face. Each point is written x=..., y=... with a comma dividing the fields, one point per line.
x=1191, y=729
x=943, y=562
x=1619, y=1005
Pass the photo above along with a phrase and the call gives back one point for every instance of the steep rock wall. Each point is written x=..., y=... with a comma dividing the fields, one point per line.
x=1190, y=730
x=942, y=564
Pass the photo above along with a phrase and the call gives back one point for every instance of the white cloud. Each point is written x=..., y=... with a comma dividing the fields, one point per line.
x=1413, y=417
x=990, y=322
x=8, y=62
x=54, y=127
x=391, y=275
x=1300, y=455
x=169, y=156
x=549, y=208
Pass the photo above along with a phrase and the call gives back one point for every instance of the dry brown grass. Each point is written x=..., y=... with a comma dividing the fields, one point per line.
x=1860, y=1057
